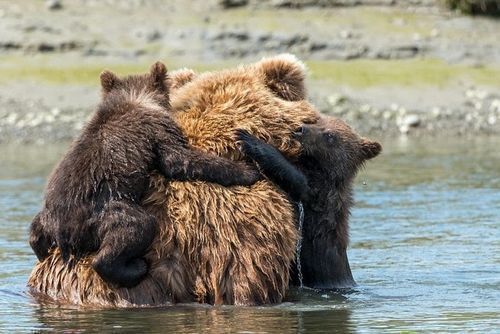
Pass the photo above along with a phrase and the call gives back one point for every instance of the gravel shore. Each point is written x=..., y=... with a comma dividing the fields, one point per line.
x=388, y=67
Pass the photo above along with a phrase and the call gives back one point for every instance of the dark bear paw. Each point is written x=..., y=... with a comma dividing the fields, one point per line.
x=248, y=144
x=249, y=175
x=125, y=275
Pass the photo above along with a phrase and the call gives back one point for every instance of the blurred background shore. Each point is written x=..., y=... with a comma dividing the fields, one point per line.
x=390, y=68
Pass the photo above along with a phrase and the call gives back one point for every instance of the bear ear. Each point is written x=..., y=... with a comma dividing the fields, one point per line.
x=284, y=75
x=108, y=80
x=370, y=149
x=158, y=74
x=179, y=78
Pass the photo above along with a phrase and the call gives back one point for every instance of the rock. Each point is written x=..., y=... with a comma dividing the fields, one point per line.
x=10, y=45
x=470, y=93
x=398, y=52
x=317, y=46
x=436, y=112
x=408, y=121
x=344, y=51
x=404, y=129
x=237, y=35
x=296, y=39
x=55, y=111
x=233, y=3
x=495, y=105
x=481, y=94
x=154, y=35
x=345, y=34
x=148, y=34
x=434, y=33
x=53, y=4
x=11, y=119
x=365, y=108
x=336, y=99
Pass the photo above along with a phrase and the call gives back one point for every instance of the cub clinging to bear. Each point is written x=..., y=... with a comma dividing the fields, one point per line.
x=249, y=233
x=93, y=197
x=321, y=179
x=214, y=244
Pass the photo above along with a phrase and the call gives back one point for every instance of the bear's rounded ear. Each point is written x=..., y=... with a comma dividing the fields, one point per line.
x=179, y=78
x=108, y=80
x=285, y=76
x=158, y=74
x=370, y=149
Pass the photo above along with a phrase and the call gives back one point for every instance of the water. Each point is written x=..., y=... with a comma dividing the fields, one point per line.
x=299, y=245
x=425, y=251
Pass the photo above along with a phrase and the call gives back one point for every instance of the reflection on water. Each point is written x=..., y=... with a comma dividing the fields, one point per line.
x=425, y=252
x=195, y=319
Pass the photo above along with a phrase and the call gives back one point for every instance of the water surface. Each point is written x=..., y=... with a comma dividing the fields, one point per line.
x=425, y=251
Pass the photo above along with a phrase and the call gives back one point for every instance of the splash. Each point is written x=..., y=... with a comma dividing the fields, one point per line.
x=299, y=244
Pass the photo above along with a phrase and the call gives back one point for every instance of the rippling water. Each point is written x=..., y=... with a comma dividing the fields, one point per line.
x=425, y=251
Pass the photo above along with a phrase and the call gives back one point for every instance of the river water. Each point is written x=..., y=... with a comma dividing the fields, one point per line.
x=425, y=251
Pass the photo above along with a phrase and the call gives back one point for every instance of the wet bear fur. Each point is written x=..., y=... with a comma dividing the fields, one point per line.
x=322, y=180
x=244, y=254
x=93, y=199
x=215, y=244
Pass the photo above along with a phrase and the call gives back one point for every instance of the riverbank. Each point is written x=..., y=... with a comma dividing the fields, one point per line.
x=388, y=68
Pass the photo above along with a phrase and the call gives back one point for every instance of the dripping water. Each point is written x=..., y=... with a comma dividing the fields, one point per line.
x=299, y=244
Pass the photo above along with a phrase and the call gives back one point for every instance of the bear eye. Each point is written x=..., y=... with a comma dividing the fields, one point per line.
x=330, y=137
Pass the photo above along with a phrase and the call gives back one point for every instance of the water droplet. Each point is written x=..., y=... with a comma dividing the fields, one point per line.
x=299, y=245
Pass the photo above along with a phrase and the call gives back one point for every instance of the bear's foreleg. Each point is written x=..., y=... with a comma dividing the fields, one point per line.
x=275, y=166
x=189, y=165
x=126, y=232
x=40, y=240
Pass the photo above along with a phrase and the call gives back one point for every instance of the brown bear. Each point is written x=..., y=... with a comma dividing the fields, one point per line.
x=322, y=179
x=93, y=197
x=215, y=244
x=246, y=249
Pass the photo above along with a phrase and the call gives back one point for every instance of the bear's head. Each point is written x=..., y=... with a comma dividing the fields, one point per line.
x=149, y=87
x=267, y=99
x=283, y=75
x=336, y=147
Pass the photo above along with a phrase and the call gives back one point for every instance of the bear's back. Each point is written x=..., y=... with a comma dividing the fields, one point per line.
x=116, y=147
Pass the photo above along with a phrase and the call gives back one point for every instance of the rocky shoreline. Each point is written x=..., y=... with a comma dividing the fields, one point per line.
x=478, y=114
x=327, y=34
x=34, y=122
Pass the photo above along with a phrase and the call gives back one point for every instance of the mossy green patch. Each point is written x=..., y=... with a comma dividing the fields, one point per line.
x=46, y=71
x=66, y=74
x=356, y=73
x=415, y=72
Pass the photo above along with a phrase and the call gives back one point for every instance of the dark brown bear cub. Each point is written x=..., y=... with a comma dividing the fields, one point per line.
x=322, y=179
x=93, y=197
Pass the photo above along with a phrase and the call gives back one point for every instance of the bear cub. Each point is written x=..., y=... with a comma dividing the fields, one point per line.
x=321, y=179
x=93, y=197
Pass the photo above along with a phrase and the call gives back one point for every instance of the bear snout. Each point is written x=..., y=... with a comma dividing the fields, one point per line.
x=299, y=132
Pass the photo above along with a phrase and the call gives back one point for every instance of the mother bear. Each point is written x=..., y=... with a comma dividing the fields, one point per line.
x=216, y=245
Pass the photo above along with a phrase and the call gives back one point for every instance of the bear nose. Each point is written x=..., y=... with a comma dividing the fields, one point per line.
x=298, y=132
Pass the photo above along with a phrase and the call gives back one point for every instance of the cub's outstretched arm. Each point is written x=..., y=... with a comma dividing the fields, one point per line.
x=186, y=164
x=275, y=166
